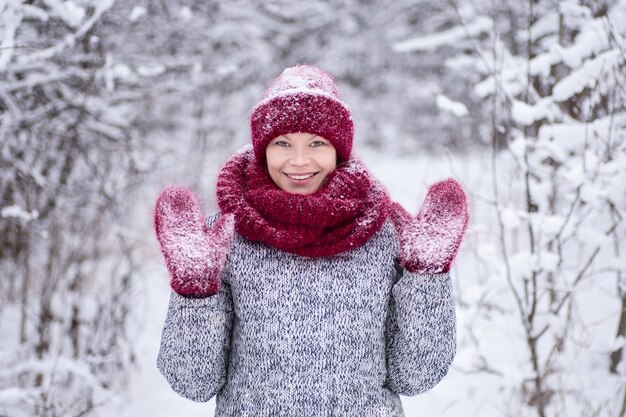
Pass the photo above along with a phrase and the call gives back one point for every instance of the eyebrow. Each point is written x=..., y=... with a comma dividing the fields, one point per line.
x=287, y=137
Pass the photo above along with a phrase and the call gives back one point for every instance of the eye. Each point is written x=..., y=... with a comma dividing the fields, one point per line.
x=281, y=143
x=317, y=143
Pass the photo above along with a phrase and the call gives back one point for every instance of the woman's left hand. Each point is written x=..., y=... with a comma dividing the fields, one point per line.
x=430, y=241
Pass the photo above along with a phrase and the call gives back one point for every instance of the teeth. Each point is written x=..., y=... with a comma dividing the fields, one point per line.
x=300, y=177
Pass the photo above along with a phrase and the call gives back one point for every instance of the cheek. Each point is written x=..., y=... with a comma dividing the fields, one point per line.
x=328, y=165
x=274, y=173
x=329, y=162
x=273, y=161
x=271, y=166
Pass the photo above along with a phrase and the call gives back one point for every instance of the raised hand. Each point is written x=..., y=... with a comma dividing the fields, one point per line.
x=429, y=241
x=194, y=253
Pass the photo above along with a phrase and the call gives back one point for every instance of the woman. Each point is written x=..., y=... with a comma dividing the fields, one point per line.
x=310, y=294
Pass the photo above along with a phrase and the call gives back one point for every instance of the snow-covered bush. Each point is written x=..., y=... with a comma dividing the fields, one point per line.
x=67, y=160
x=550, y=77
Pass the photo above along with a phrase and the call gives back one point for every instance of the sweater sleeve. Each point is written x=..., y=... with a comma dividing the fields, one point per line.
x=195, y=344
x=420, y=332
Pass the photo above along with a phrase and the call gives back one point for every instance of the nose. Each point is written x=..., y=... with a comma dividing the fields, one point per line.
x=300, y=156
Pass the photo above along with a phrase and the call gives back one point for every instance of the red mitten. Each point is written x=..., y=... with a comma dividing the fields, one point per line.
x=194, y=253
x=430, y=241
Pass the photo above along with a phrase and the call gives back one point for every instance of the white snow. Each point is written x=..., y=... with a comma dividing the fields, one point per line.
x=447, y=37
x=67, y=10
x=136, y=13
x=185, y=13
x=572, y=10
x=13, y=400
x=31, y=11
x=588, y=74
x=10, y=20
x=544, y=25
x=18, y=212
x=150, y=70
x=526, y=114
x=299, y=90
x=510, y=218
x=456, y=108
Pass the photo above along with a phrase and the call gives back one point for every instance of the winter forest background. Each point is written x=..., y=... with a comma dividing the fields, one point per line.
x=104, y=102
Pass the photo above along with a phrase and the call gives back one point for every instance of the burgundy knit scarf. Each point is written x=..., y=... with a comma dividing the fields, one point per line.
x=348, y=209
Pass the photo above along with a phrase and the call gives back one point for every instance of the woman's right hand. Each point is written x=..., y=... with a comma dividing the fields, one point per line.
x=194, y=253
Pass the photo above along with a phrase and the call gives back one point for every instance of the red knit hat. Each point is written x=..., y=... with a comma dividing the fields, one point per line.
x=302, y=99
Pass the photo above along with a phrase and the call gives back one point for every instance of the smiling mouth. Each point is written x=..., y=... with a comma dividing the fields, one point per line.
x=300, y=177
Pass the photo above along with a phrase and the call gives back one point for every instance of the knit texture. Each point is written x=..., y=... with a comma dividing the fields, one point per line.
x=348, y=209
x=430, y=241
x=294, y=336
x=194, y=253
x=302, y=99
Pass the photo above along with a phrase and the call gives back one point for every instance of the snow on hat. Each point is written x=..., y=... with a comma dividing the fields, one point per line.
x=302, y=99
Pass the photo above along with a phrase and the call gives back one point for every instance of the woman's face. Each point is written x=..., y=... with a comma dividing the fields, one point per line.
x=298, y=163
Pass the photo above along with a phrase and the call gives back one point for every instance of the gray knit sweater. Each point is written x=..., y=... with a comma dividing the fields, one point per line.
x=295, y=336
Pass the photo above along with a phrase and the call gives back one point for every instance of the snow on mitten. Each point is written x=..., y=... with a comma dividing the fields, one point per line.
x=430, y=241
x=194, y=253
